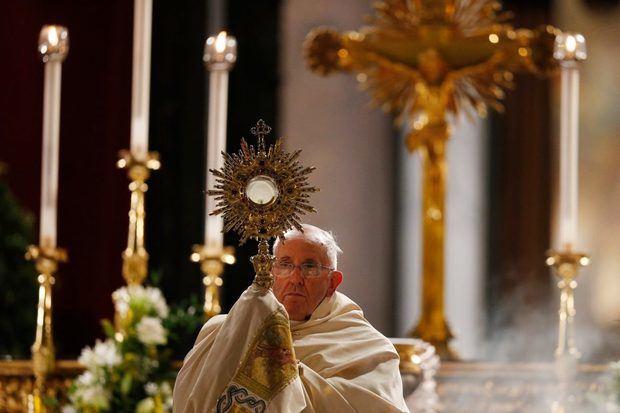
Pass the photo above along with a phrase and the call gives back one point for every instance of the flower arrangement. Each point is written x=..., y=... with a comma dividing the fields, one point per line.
x=129, y=372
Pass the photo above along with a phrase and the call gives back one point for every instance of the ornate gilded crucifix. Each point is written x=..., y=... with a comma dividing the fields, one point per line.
x=426, y=61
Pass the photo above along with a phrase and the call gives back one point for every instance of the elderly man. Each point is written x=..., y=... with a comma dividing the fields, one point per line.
x=302, y=348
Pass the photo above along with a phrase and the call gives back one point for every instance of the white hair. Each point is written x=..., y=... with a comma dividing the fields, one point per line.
x=314, y=235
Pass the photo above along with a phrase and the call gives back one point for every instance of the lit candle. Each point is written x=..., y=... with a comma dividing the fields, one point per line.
x=53, y=46
x=143, y=11
x=569, y=48
x=220, y=54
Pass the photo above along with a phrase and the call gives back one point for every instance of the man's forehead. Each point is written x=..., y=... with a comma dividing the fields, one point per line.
x=300, y=248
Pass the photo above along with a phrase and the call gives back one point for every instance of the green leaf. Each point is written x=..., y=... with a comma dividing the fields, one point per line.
x=126, y=383
x=50, y=401
x=108, y=328
x=155, y=278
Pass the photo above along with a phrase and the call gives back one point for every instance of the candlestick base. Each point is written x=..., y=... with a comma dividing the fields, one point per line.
x=135, y=256
x=43, y=353
x=566, y=266
x=212, y=267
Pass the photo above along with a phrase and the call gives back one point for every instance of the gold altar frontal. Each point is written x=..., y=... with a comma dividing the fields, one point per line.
x=461, y=387
x=17, y=381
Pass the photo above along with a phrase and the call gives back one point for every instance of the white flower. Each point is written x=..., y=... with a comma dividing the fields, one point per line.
x=92, y=395
x=121, y=299
x=68, y=409
x=87, y=379
x=148, y=297
x=165, y=389
x=96, y=396
x=166, y=394
x=104, y=354
x=146, y=406
x=151, y=331
x=151, y=388
x=158, y=301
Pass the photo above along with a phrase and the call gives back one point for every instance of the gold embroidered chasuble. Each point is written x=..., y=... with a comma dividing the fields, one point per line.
x=255, y=360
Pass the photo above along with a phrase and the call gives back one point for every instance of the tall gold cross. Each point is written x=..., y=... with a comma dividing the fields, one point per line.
x=424, y=60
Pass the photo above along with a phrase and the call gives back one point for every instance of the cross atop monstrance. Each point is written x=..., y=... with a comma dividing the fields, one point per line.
x=260, y=131
x=426, y=61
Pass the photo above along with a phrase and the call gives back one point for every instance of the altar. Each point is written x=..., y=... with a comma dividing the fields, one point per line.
x=461, y=387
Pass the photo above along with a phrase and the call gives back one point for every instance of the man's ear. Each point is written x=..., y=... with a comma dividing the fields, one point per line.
x=335, y=279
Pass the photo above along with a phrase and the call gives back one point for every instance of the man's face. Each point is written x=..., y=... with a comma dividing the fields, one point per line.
x=299, y=295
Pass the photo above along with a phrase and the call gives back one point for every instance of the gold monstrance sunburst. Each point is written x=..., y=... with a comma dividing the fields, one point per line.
x=261, y=193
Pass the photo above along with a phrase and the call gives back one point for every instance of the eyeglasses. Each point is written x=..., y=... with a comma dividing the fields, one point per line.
x=307, y=269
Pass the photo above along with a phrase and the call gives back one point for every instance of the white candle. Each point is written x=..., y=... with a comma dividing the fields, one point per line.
x=143, y=11
x=219, y=55
x=569, y=48
x=53, y=46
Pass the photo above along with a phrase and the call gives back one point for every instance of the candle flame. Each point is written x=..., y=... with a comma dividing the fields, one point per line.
x=220, y=42
x=52, y=36
x=571, y=44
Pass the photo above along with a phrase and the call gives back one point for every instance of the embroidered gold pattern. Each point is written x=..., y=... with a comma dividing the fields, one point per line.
x=269, y=364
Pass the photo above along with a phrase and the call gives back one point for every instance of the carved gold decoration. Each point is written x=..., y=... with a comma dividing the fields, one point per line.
x=261, y=193
x=424, y=61
x=212, y=267
x=43, y=353
x=17, y=385
x=135, y=256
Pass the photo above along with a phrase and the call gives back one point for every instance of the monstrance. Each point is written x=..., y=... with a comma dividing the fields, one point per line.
x=261, y=193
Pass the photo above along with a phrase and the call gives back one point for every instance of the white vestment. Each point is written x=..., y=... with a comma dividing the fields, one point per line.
x=245, y=362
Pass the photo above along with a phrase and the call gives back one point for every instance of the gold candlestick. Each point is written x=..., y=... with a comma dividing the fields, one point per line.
x=43, y=353
x=220, y=54
x=53, y=48
x=566, y=265
x=135, y=256
x=569, y=48
x=212, y=267
x=425, y=61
